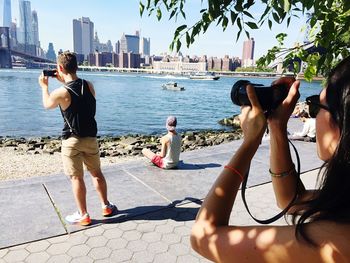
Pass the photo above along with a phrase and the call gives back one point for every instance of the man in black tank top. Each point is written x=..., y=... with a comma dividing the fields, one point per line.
x=76, y=100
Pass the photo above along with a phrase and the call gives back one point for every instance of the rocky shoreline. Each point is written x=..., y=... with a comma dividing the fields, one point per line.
x=121, y=146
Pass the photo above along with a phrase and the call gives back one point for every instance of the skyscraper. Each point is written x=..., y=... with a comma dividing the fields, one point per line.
x=248, y=52
x=51, y=54
x=35, y=26
x=130, y=43
x=145, y=46
x=5, y=15
x=83, y=36
x=25, y=35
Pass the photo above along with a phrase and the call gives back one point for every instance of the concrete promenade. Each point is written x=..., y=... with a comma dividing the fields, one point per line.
x=157, y=209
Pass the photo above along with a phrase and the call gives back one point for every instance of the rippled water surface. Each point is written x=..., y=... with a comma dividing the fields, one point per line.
x=126, y=103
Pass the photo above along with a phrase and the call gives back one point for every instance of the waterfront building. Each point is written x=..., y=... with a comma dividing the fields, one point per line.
x=145, y=46
x=130, y=43
x=83, y=36
x=5, y=15
x=248, y=53
x=179, y=66
x=117, y=47
x=13, y=34
x=51, y=54
x=226, y=63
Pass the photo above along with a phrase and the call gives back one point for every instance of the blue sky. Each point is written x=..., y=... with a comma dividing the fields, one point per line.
x=113, y=17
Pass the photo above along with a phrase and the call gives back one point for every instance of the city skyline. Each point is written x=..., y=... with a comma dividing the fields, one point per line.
x=55, y=25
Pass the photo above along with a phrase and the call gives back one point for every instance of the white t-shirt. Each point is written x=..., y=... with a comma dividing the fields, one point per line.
x=172, y=156
x=309, y=128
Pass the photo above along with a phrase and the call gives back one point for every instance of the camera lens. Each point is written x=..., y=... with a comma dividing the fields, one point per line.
x=269, y=96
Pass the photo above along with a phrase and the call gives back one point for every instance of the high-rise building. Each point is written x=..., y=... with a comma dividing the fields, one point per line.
x=51, y=54
x=130, y=43
x=248, y=52
x=25, y=35
x=5, y=15
x=145, y=46
x=117, y=47
x=35, y=26
x=83, y=36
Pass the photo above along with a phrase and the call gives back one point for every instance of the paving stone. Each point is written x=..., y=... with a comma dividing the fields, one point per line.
x=77, y=239
x=38, y=257
x=171, y=238
x=16, y=255
x=145, y=227
x=157, y=247
x=99, y=253
x=178, y=249
x=182, y=230
x=95, y=231
x=58, y=239
x=187, y=259
x=121, y=255
x=59, y=259
x=112, y=233
x=164, y=229
x=59, y=248
x=151, y=237
x=164, y=257
x=79, y=250
x=137, y=245
x=130, y=225
x=38, y=246
x=117, y=243
x=131, y=235
x=142, y=256
x=97, y=241
x=84, y=259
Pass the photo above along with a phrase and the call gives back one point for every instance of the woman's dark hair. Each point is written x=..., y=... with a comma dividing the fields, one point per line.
x=333, y=199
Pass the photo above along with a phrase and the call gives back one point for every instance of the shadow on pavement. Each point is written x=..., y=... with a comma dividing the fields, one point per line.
x=171, y=211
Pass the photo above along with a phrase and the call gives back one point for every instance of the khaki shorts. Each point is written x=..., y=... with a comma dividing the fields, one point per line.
x=78, y=151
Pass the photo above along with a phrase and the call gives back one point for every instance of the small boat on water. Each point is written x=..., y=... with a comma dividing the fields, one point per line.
x=204, y=76
x=172, y=86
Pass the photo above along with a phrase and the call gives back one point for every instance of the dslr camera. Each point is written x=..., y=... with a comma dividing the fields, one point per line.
x=50, y=72
x=269, y=96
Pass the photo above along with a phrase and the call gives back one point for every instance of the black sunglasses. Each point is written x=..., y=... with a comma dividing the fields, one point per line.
x=315, y=105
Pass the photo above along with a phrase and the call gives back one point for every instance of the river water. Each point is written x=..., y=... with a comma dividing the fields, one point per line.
x=126, y=103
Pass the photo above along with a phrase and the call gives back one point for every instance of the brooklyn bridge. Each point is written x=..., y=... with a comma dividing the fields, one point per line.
x=18, y=57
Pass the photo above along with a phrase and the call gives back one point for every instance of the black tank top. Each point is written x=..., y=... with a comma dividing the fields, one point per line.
x=79, y=117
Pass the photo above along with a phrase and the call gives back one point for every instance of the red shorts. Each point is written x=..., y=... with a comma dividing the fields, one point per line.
x=157, y=160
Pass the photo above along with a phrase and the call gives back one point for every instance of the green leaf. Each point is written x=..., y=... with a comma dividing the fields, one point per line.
x=233, y=17
x=248, y=14
x=159, y=14
x=276, y=17
x=270, y=24
x=252, y=25
x=142, y=8
x=286, y=6
x=178, y=45
x=224, y=23
x=188, y=39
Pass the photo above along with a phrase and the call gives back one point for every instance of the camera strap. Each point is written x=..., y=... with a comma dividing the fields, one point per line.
x=285, y=210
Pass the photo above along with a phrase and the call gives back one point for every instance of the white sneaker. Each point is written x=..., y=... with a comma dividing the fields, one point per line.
x=77, y=218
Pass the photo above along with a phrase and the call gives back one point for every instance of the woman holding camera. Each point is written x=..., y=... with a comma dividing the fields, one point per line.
x=321, y=229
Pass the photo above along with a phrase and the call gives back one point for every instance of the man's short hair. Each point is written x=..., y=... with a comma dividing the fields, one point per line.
x=68, y=61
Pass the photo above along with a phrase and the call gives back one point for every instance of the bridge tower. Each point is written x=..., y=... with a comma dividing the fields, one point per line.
x=5, y=51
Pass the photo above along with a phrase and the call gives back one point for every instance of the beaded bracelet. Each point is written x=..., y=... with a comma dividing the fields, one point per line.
x=289, y=172
x=234, y=171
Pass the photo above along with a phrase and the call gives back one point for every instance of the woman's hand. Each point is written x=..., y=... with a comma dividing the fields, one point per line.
x=279, y=118
x=252, y=118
